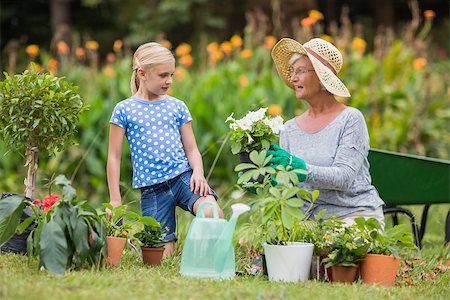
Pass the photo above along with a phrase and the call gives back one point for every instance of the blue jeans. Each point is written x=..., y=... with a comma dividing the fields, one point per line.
x=160, y=200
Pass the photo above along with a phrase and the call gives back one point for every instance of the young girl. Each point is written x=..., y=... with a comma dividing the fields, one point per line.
x=167, y=165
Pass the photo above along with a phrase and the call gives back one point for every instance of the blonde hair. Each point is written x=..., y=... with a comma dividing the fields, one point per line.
x=147, y=56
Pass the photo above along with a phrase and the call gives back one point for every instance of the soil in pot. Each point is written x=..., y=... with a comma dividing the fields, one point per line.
x=115, y=249
x=379, y=269
x=344, y=274
x=152, y=256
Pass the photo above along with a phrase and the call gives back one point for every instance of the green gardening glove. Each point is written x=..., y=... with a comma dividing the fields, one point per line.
x=284, y=158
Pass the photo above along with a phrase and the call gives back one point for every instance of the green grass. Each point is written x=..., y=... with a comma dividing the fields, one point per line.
x=21, y=279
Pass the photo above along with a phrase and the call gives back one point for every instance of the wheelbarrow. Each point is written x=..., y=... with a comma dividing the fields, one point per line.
x=403, y=179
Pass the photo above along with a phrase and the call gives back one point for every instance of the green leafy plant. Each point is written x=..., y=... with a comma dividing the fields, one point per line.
x=120, y=221
x=151, y=234
x=38, y=112
x=346, y=245
x=278, y=198
x=255, y=131
x=65, y=234
x=388, y=242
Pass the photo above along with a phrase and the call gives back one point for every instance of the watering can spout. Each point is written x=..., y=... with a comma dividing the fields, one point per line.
x=238, y=209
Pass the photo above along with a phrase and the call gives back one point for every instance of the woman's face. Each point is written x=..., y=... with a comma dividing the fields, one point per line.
x=305, y=80
x=157, y=79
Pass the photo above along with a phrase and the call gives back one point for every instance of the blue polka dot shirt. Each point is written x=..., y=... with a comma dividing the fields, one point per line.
x=152, y=129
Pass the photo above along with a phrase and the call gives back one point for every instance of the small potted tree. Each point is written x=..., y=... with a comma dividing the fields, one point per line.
x=381, y=262
x=151, y=239
x=38, y=112
x=277, y=207
x=118, y=224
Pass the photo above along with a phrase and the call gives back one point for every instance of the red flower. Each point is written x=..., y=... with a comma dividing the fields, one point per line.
x=50, y=200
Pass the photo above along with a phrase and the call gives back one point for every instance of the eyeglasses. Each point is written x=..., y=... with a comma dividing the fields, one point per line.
x=300, y=72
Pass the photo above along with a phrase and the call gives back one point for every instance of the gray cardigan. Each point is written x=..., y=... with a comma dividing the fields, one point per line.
x=336, y=158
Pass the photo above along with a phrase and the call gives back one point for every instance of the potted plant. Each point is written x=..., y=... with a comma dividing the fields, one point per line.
x=117, y=223
x=346, y=246
x=381, y=262
x=67, y=234
x=277, y=205
x=38, y=113
x=151, y=239
x=255, y=131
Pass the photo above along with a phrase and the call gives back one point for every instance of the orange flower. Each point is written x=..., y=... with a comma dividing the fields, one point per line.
x=166, y=44
x=359, y=45
x=183, y=49
x=269, y=42
x=62, y=48
x=180, y=74
x=327, y=38
x=186, y=60
x=226, y=48
x=315, y=14
x=429, y=14
x=308, y=22
x=419, y=63
x=274, y=110
x=215, y=57
x=32, y=50
x=236, y=41
x=79, y=52
x=243, y=81
x=117, y=45
x=34, y=67
x=109, y=71
x=212, y=47
x=246, y=53
x=53, y=66
x=111, y=57
x=92, y=45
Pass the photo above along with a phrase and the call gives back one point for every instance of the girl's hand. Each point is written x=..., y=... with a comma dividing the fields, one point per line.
x=199, y=185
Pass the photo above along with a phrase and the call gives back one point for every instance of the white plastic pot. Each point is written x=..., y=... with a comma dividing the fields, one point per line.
x=289, y=263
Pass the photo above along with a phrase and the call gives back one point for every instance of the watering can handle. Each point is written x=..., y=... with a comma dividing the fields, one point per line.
x=214, y=205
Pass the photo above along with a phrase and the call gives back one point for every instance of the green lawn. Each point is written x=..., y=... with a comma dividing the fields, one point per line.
x=21, y=279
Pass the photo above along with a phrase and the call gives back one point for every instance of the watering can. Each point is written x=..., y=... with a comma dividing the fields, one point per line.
x=208, y=250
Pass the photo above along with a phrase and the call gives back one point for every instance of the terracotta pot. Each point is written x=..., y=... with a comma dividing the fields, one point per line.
x=152, y=256
x=379, y=269
x=344, y=274
x=115, y=249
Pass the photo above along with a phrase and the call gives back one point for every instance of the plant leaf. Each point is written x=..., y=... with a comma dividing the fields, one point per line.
x=11, y=209
x=53, y=248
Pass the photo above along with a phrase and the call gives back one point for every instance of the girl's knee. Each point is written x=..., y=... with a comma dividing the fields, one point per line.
x=208, y=209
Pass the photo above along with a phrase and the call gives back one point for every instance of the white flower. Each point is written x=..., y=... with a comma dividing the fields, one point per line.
x=276, y=124
x=230, y=118
x=244, y=123
x=256, y=115
x=250, y=140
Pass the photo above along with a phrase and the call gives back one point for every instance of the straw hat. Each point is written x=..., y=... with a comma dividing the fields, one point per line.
x=325, y=58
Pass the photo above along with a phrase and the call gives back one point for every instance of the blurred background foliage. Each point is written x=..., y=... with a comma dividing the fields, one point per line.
x=396, y=68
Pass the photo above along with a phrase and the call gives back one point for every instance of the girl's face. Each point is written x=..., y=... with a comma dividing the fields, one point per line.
x=155, y=81
x=304, y=78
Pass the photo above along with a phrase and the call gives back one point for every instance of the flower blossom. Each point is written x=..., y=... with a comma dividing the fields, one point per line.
x=276, y=124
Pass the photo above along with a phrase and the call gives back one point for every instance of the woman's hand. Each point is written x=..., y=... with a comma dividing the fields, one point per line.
x=284, y=158
x=199, y=185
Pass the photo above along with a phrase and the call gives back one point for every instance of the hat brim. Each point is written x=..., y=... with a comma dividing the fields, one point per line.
x=282, y=53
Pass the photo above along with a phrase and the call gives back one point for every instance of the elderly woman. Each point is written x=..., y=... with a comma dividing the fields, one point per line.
x=329, y=140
